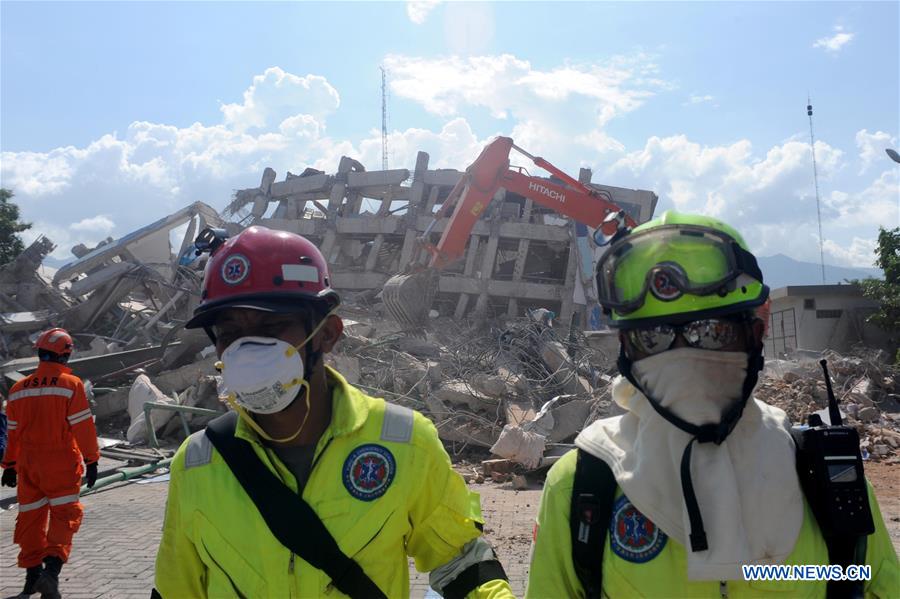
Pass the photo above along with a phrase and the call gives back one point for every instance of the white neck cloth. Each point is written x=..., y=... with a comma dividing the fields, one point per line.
x=747, y=487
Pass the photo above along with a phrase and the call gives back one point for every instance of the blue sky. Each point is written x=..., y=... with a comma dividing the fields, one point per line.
x=107, y=106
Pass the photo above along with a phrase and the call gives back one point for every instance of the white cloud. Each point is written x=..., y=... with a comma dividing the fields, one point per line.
x=768, y=197
x=418, y=11
x=698, y=99
x=125, y=180
x=871, y=148
x=860, y=252
x=510, y=87
x=276, y=95
x=100, y=224
x=836, y=41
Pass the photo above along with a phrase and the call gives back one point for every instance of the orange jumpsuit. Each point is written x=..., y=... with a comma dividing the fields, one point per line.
x=50, y=429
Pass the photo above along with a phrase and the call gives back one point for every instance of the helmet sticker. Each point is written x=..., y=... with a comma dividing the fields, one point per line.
x=662, y=283
x=235, y=269
x=300, y=272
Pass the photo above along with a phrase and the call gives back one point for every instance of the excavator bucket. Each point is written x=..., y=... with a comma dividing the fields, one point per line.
x=408, y=297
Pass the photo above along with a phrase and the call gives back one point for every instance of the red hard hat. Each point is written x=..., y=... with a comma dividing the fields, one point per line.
x=262, y=269
x=56, y=340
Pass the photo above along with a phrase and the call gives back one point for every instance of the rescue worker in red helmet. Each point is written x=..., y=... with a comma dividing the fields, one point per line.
x=373, y=477
x=51, y=429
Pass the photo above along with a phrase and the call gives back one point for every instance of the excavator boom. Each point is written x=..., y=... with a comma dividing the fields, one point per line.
x=408, y=297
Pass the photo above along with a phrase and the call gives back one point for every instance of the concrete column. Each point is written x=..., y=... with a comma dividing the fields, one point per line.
x=584, y=175
x=571, y=273
x=372, y=258
x=518, y=270
x=526, y=210
x=409, y=246
x=328, y=243
x=385, y=207
x=471, y=255
x=335, y=199
x=432, y=199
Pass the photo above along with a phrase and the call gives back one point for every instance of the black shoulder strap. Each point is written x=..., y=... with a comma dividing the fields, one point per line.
x=593, y=494
x=291, y=520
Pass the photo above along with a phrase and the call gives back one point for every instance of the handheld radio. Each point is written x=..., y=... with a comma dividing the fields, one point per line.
x=831, y=472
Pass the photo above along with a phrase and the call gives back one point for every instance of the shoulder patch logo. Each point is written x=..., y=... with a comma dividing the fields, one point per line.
x=369, y=471
x=235, y=269
x=632, y=535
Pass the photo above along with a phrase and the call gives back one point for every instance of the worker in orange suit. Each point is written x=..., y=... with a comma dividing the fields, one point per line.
x=50, y=430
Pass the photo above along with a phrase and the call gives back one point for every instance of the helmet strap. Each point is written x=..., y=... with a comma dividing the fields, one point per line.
x=704, y=433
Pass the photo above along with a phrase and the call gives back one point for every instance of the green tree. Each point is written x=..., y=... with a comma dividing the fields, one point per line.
x=886, y=292
x=10, y=243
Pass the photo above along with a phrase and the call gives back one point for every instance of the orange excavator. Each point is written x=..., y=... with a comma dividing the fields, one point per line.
x=408, y=297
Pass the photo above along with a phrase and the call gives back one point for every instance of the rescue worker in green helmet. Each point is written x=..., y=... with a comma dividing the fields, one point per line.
x=697, y=478
x=309, y=487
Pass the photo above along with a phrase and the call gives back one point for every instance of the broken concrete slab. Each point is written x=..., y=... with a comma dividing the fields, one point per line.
x=459, y=428
x=100, y=277
x=142, y=391
x=520, y=446
x=348, y=366
x=179, y=379
x=459, y=393
x=359, y=329
x=17, y=322
x=136, y=241
x=492, y=386
x=554, y=355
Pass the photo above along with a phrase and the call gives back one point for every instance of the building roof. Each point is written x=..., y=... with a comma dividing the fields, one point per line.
x=816, y=290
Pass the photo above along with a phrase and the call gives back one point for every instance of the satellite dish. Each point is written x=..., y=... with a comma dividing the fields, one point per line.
x=893, y=154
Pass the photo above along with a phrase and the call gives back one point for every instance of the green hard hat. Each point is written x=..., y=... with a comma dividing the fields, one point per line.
x=678, y=267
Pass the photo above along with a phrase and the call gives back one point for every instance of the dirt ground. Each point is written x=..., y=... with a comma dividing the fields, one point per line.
x=885, y=478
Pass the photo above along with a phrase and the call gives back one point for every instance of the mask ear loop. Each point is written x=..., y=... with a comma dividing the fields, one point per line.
x=290, y=352
x=256, y=427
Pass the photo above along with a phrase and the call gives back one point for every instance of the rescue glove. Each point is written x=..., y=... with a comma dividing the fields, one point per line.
x=91, y=474
x=9, y=478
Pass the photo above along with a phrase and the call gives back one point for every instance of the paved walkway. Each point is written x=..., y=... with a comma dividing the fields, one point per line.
x=114, y=552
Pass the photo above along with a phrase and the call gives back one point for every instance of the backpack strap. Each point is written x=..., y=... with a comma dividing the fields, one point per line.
x=593, y=494
x=290, y=519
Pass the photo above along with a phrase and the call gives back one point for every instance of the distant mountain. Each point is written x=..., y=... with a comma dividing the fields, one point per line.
x=781, y=271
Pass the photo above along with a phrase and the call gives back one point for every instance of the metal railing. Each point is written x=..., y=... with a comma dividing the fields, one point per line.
x=149, y=406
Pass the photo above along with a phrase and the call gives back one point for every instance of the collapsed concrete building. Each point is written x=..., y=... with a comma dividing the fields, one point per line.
x=520, y=255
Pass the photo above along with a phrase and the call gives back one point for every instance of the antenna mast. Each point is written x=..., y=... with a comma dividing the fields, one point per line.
x=384, y=134
x=812, y=146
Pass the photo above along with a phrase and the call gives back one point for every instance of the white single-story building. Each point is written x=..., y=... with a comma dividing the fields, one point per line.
x=819, y=317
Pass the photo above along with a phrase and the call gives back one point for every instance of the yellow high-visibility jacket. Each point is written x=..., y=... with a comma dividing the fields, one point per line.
x=661, y=569
x=381, y=483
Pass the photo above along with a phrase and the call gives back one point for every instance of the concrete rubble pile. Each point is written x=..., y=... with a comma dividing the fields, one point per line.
x=865, y=384
x=125, y=302
x=518, y=388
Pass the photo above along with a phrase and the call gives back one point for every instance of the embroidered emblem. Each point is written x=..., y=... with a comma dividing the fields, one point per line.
x=369, y=471
x=663, y=286
x=632, y=535
x=235, y=269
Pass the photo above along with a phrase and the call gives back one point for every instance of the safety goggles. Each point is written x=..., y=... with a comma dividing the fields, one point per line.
x=670, y=261
x=706, y=333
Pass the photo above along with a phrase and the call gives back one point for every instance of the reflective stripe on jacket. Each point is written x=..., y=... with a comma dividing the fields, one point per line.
x=381, y=482
x=48, y=411
x=657, y=565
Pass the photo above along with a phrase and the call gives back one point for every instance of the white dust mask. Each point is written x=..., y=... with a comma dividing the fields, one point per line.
x=263, y=375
